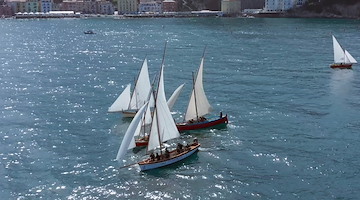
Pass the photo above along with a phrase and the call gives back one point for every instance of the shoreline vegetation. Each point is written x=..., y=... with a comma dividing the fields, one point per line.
x=349, y=9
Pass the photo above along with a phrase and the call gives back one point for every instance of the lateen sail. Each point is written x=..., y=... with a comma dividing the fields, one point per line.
x=339, y=54
x=128, y=141
x=198, y=104
x=142, y=88
x=122, y=102
x=163, y=127
x=350, y=58
x=174, y=96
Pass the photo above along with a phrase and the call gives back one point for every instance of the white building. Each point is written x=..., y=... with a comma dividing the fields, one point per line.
x=281, y=5
x=150, y=7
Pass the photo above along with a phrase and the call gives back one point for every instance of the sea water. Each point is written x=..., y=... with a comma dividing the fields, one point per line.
x=294, y=122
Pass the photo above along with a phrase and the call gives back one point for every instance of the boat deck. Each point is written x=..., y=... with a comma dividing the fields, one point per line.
x=172, y=155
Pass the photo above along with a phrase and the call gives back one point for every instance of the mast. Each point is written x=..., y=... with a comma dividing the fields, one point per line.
x=194, y=92
x=157, y=116
x=155, y=105
x=135, y=83
x=136, y=94
x=149, y=98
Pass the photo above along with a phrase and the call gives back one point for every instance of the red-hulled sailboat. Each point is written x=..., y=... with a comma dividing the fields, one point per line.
x=199, y=106
x=342, y=58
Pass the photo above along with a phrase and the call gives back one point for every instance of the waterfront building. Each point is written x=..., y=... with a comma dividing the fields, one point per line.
x=5, y=10
x=281, y=5
x=16, y=5
x=55, y=6
x=231, y=7
x=106, y=8
x=127, y=6
x=23, y=6
x=32, y=6
x=169, y=6
x=88, y=7
x=150, y=6
x=46, y=6
x=252, y=4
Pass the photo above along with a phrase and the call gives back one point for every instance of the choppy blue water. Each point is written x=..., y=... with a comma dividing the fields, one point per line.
x=294, y=122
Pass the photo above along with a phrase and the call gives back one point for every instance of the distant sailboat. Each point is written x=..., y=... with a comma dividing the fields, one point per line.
x=163, y=128
x=129, y=104
x=342, y=58
x=199, y=106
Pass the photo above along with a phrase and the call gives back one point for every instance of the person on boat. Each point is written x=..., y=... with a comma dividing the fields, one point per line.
x=152, y=156
x=179, y=148
x=157, y=156
x=191, y=121
x=220, y=115
x=195, y=141
x=146, y=138
x=167, y=153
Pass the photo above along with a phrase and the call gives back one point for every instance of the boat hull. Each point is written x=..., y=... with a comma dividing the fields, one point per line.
x=341, y=66
x=148, y=164
x=129, y=113
x=142, y=142
x=223, y=121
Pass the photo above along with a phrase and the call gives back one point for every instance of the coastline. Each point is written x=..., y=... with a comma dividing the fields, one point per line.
x=292, y=14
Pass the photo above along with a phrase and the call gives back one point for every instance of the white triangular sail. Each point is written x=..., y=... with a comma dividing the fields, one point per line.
x=163, y=126
x=122, y=102
x=339, y=54
x=145, y=121
x=154, y=140
x=349, y=57
x=174, y=96
x=128, y=141
x=198, y=104
x=142, y=88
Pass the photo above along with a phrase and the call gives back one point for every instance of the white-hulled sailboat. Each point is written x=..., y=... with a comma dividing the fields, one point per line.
x=129, y=104
x=342, y=58
x=163, y=128
x=199, y=106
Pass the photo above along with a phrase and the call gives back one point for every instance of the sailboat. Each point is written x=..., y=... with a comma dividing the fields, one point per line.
x=199, y=106
x=129, y=104
x=163, y=128
x=342, y=58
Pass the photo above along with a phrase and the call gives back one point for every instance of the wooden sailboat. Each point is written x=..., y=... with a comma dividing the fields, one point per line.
x=129, y=104
x=342, y=58
x=199, y=106
x=163, y=128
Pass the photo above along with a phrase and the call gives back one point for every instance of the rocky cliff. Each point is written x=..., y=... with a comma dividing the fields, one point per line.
x=328, y=8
